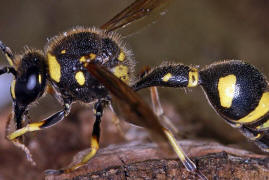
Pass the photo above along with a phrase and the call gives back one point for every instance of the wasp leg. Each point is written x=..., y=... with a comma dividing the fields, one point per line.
x=94, y=143
x=190, y=166
x=157, y=108
x=8, y=70
x=52, y=120
x=8, y=53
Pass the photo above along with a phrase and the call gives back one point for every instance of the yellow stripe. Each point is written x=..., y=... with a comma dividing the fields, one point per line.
x=226, y=88
x=54, y=68
x=39, y=78
x=193, y=77
x=258, y=112
x=167, y=77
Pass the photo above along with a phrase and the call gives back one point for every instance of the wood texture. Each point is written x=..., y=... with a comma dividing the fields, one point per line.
x=143, y=161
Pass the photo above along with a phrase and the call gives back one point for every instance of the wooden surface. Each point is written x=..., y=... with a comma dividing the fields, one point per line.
x=143, y=161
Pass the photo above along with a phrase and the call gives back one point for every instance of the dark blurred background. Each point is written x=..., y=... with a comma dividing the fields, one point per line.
x=191, y=32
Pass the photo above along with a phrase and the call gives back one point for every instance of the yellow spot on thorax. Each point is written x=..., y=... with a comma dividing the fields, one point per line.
x=63, y=51
x=82, y=59
x=166, y=77
x=39, y=78
x=258, y=112
x=80, y=78
x=121, y=56
x=12, y=89
x=226, y=89
x=193, y=77
x=92, y=56
x=122, y=72
x=54, y=68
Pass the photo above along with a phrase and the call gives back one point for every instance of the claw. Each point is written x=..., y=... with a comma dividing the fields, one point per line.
x=53, y=172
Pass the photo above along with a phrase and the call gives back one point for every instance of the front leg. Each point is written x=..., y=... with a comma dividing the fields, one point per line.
x=52, y=120
x=98, y=109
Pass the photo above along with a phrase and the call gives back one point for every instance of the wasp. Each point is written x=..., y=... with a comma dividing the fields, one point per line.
x=66, y=65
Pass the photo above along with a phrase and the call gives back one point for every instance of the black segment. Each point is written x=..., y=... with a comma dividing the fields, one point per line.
x=250, y=85
x=52, y=120
x=180, y=77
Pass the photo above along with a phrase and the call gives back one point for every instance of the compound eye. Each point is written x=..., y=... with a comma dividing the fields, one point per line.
x=27, y=87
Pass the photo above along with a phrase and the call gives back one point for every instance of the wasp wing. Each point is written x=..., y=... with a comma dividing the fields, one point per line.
x=129, y=106
x=138, y=10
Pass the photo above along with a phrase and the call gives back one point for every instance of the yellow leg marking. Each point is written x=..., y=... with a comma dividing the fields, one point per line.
x=166, y=77
x=12, y=89
x=86, y=158
x=80, y=78
x=30, y=127
x=226, y=88
x=121, y=56
x=92, y=56
x=263, y=126
x=10, y=62
x=255, y=137
x=180, y=153
x=193, y=77
x=258, y=112
x=54, y=68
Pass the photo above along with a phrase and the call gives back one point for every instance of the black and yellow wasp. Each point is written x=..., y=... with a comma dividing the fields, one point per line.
x=92, y=65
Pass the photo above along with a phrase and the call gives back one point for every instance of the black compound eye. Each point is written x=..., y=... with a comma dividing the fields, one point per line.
x=28, y=87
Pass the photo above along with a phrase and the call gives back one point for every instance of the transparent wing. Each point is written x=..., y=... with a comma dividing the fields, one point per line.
x=136, y=11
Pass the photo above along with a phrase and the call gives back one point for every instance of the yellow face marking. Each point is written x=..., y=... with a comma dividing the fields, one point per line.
x=258, y=112
x=54, y=68
x=63, y=51
x=226, y=88
x=12, y=89
x=82, y=59
x=263, y=126
x=193, y=77
x=121, y=56
x=39, y=79
x=167, y=77
x=121, y=72
x=92, y=56
x=80, y=78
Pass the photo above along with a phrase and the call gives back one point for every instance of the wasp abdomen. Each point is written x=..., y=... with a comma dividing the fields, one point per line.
x=235, y=89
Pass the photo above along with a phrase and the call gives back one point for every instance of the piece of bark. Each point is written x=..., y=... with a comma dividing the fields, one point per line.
x=144, y=161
